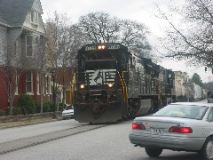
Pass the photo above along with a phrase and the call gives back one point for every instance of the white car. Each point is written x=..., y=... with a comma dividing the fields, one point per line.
x=178, y=126
x=68, y=112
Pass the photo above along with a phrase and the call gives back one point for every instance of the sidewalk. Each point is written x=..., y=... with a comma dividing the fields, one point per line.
x=21, y=120
x=25, y=122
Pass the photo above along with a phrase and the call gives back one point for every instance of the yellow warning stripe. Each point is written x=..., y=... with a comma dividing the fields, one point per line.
x=124, y=87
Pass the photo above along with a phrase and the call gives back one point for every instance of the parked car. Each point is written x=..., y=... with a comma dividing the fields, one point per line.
x=178, y=126
x=68, y=112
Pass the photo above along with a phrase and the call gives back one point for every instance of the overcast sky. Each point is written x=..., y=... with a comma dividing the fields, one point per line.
x=143, y=11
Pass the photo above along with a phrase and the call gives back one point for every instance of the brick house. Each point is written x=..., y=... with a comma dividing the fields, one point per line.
x=23, y=67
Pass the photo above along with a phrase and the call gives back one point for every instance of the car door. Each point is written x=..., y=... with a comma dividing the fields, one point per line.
x=210, y=122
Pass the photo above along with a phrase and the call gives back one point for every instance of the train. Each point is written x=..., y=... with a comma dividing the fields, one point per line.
x=113, y=84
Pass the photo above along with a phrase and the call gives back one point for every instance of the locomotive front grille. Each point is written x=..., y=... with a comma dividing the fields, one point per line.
x=102, y=97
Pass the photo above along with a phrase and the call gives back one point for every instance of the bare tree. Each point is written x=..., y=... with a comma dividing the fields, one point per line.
x=195, y=41
x=64, y=40
x=52, y=50
x=41, y=59
x=100, y=26
x=134, y=36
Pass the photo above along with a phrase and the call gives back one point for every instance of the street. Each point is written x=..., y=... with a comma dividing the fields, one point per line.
x=106, y=143
x=105, y=63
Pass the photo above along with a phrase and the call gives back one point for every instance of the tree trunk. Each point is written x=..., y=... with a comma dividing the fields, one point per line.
x=42, y=95
x=10, y=99
x=10, y=108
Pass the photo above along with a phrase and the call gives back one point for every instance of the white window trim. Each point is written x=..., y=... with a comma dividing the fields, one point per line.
x=30, y=93
x=16, y=92
x=38, y=84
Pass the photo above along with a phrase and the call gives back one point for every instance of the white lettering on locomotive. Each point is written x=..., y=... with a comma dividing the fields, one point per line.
x=90, y=48
x=114, y=46
x=100, y=76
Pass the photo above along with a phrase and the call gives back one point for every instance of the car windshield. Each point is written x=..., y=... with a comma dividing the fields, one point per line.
x=183, y=111
x=68, y=107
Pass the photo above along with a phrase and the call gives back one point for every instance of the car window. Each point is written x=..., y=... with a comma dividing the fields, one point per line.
x=68, y=107
x=184, y=111
x=210, y=116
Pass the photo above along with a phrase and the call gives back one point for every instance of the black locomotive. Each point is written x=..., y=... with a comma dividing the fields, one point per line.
x=113, y=84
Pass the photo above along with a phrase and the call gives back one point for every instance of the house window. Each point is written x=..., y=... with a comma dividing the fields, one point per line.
x=34, y=17
x=29, y=46
x=29, y=82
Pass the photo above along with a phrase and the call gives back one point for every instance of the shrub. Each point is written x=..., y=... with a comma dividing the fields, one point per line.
x=2, y=112
x=48, y=107
x=37, y=107
x=17, y=110
x=27, y=104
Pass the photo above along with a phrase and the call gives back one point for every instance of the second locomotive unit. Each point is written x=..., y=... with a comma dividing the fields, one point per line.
x=113, y=84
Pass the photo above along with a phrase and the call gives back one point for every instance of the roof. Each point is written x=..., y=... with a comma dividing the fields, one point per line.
x=14, y=12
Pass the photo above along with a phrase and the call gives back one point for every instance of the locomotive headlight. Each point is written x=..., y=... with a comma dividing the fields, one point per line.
x=101, y=47
x=110, y=85
x=82, y=86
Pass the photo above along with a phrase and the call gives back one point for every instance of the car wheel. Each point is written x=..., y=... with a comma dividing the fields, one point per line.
x=207, y=151
x=153, y=151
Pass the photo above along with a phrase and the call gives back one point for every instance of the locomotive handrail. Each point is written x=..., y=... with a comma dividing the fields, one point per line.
x=124, y=87
x=126, y=90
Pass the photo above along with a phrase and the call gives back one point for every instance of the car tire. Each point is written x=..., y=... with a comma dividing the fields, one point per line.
x=207, y=151
x=153, y=151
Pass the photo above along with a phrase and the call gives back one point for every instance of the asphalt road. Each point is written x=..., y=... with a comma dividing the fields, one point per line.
x=106, y=143
x=15, y=133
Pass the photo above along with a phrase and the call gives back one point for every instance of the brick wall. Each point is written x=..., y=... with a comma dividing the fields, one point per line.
x=3, y=93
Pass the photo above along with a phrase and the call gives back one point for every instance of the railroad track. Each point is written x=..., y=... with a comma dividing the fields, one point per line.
x=15, y=145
